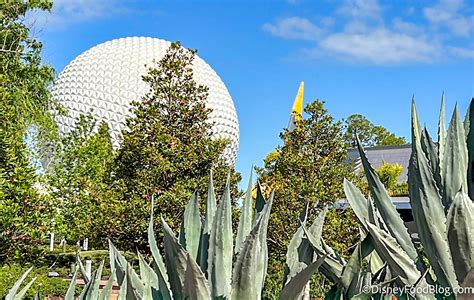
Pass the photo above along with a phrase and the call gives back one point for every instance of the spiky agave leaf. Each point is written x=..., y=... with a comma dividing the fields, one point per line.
x=386, y=208
x=468, y=283
x=401, y=265
x=21, y=294
x=85, y=276
x=147, y=272
x=460, y=231
x=221, y=248
x=190, y=233
x=332, y=266
x=195, y=283
x=455, y=160
x=175, y=256
x=107, y=289
x=353, y=273
x=72, y=288
x=149, y=279
x=246, y=218
x=300, y=253
x=244, y=281
x=428, y=211
x=431, y=152
x=127, y=290
x=296, y=257
x=159, y=265
x=211, y=207
x=293, y=289
x=263, y=261
x=120, y=265
x=374, y=215
x=441, y=136
x=91, y=290
x=82, y=295
x=469, y=130
x=357, y=202
x=13, y=291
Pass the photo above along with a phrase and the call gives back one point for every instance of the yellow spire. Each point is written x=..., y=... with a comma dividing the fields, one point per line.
x=297, y=110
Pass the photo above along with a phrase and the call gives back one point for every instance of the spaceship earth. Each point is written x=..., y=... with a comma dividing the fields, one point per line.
x=104, y=80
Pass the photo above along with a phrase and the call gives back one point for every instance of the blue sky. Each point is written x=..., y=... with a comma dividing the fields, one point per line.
x=366, y=57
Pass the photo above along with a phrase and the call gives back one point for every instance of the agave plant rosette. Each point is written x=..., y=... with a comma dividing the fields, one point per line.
x=441, y=190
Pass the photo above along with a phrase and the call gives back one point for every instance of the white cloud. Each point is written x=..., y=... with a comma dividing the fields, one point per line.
x=364, y=36
x=448, y=14
x=407, y=27
x=380, y=47
x=294, y=28
x=66, y=12
x=360, y=9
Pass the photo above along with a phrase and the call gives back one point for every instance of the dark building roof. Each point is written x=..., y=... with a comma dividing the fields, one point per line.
x=401, y=203
x=397, y=154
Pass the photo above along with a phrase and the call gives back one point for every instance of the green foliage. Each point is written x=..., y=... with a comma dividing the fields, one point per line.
x=79, y=180
x=25, y=104
x=388, y=174
x=308, y=167
x=368, y=133
x=166, y=151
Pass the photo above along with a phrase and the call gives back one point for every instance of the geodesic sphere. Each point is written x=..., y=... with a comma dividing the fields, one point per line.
x=106, y=78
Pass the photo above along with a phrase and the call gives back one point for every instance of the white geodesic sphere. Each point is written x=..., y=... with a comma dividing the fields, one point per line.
x=106, y=78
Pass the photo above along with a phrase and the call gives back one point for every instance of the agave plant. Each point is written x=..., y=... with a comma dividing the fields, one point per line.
x=15, y=293
x=202, y=262
x=441, y=187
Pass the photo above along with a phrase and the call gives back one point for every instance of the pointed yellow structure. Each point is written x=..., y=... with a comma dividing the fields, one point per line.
x=297, y=111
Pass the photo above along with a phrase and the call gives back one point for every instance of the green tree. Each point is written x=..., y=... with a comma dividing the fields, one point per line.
x=368, y=133
x=388, y=174
x=25, y=104
x=308, y=167
x=79, y=179
x=167, y=150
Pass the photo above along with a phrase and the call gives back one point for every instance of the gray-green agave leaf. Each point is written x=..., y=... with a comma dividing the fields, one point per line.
x=221, y=248
x=21, y=294
x=211, y=208
x=246, y=218
x=176, y=260
x=469, y=130
x=460, y=231
x=357, y=202
x=91, y=290
x=244, y=278
x=454, y=172
x=13, y=291
x=72, y=288
x=195, y=283
x=398, y=260
x=159, y=265
x=428, y=211
x=331, y=266
x=190, y=233
x=386, y=208
x=293, y=289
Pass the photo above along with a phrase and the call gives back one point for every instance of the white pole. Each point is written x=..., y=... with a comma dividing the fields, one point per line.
x=51, y=241
x=85, y=245
x=88, y=268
